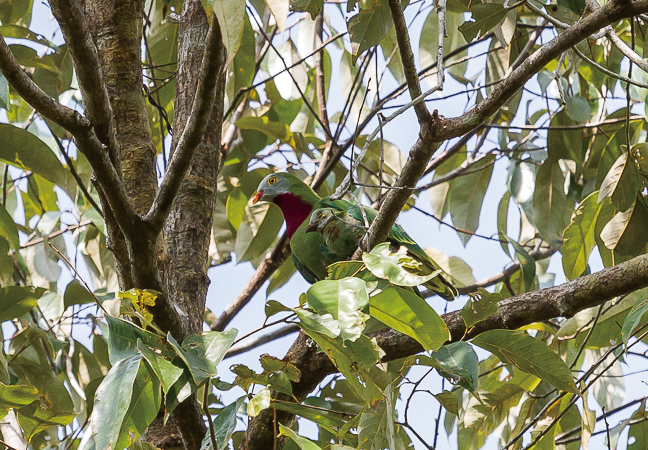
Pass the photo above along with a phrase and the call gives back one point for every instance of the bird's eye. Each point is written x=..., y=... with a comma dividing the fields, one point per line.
x=272, y=180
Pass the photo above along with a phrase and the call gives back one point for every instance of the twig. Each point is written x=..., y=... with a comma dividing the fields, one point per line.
x=407, y=57
x=212, y=433
x=62, y=256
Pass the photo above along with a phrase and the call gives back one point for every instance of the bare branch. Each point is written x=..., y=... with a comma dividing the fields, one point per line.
x=409, y=68
x=86, y=65
x=212, y=67
x=48, y=107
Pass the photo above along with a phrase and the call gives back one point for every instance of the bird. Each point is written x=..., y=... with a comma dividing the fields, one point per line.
x=336, y=226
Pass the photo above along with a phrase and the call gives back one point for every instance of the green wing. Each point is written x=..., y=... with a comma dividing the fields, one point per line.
x=399, y=236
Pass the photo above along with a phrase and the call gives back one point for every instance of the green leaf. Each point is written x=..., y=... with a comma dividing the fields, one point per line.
x=274, y=130
x=273, y=307
x=343, y=299
x=203, y=353
x=18, y=300
x=355, y=360
x=527, y=265
x=486, y=16
x=301, y=442
x=22, y=149
x=621, y=183
x=369, y=26
x=329, y=419
x=626, y=232
x=550, y=205
x=502, y=221
x=324, y=324
x=76, y=294
x=392, y=266
x=467, y=197
x=579, y=239
x=123, y=336
x=408, y=313
x=257, y=231
x=259, y=402
x=224, y=425
x=4, y=92
x=638, y=433
x=16, y=397
x=634, y=318
x=456, y=362
x=578, y=109
x=480, y=306
x=8, y=228
x=529, y=355
x=167, y=372
x=313, y=7
x=235, y=207
x=448, y=401
x=144, y=406
x=231, y=17
x=112, y=401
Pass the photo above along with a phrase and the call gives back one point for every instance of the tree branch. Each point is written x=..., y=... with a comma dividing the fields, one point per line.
x=48, y=107
x=211, y=70
x=409, y=68
x=86, y=65
x=515, y=312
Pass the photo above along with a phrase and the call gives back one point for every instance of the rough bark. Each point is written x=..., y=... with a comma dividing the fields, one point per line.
x=116, y=27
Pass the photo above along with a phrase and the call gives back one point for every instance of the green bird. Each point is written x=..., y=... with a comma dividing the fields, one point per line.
x=340, y=226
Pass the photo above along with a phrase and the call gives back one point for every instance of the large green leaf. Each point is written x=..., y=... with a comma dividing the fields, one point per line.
x=167, y=372
x=257, y=231
x=231, y=17
x=621, y=183
x=76, y=294
x=18, y=300
x=22, y=149
x=123, y=337
x=203, y=353
x=15, y=397
x=301, y=442
x=369, y=26
x=408, y=313
x=486, y=16
x=392, y=266
x=579, y=237
x=313, y=7
x=224, y=425
x=634, y=318
x=529, y=355
x=343, y=299
x=113, y=400
x=468, y=193
x=551, y=207
x=8, y=228
x=626, y=233
x=144, y=406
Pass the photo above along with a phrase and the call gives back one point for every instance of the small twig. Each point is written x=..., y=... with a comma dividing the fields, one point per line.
x=212, y=433
x=63, y=257
x=441, y=11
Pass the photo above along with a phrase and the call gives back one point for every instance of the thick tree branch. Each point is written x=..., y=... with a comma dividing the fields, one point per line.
x=48, y=107
x=212, y=68
x=560, y=301
x=409, y=68
x=84, y=53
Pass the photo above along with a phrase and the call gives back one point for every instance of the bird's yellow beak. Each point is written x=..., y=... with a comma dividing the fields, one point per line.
x=257, y=197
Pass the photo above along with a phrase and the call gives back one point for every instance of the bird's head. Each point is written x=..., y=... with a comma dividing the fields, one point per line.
x=319, y=219
x=277, y=184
